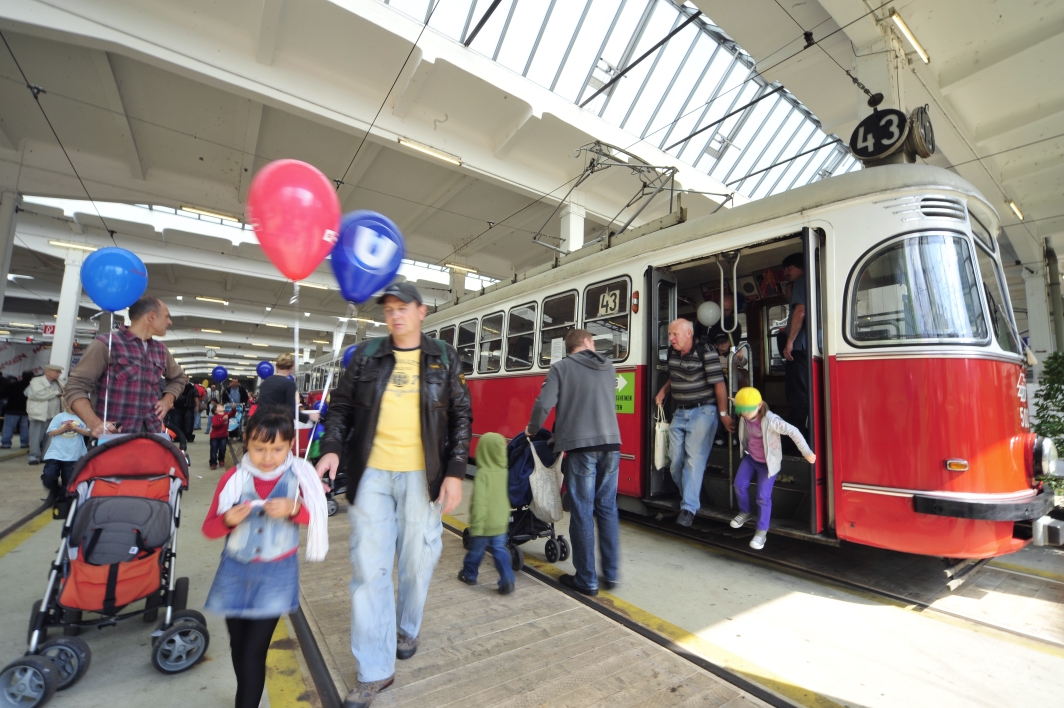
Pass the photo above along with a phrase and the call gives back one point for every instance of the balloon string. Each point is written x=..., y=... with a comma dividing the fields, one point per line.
x=337, y=348
x=107, y=382
x=295, y=300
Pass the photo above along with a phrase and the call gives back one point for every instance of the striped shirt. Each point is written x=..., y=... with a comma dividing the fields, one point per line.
x=694, y=377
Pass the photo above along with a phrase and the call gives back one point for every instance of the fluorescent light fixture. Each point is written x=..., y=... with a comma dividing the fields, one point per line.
x=1016, y=210
x=15, y=276
x=438, y=154
x=256, y=344
x=313, y=285
x=75, y=246
x=212, y=331
x=909, y=35
x=208, y=212
x=279, y=326
x=4, y=331
x=212, y=299
x=268, y=309
x=306, y=314
x=320, y=341
x=462, y=268
x=179, y=298
x=21, y=324
x=210, y=346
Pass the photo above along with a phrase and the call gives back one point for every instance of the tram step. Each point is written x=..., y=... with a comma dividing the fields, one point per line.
x=1048, y=531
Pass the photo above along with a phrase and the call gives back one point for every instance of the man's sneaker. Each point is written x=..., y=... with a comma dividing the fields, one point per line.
x=462, y=576
x=405, y=647
x=214, y=466
x=609, y=584
x=506, y=589
x=739, y=520
x=758, y=541
x=365, y=691
x=33, y=461
x=685, y=518
x=570, y=582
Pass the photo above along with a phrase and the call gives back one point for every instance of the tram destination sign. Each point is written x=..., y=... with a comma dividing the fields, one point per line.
x=879, y=135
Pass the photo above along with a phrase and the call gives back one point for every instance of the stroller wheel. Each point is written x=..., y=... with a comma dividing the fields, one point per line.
x=179, y=648
x=517, y=558
x=550, y=550
x=28, y=682
x=332, y=507
x=33, y=623
x=177, y=617
x=465, y=538
x=563, y=547
x=180, y=599
x=71, y=657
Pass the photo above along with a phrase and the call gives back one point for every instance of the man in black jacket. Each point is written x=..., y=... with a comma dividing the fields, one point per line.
x=401, y=417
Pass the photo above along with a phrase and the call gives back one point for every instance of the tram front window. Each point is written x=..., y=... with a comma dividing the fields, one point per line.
x=1004, y=332
x=606, y=317
x=919, y=289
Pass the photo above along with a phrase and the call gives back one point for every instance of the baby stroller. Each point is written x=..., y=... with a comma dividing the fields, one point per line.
x=525, y=526
x=118, y=546
x=333, y=489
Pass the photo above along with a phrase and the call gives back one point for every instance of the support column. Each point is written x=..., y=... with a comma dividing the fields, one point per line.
x=66, y=319
x=457, y=283
x=1038, y=323
x=880, y=68
x=572, y=227
x=8, y=201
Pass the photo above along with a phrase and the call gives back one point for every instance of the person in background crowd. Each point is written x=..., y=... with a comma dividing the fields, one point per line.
x=696, y=382
x=67, y=433
x=42, y=404
x=727, y=319
x=280, y=390
x=184, y=411
x=236, y=393
x=219, y=427
x=582, y=389
x=201, y=407
x=131, y=373
x=402, y=417
x=489, y=514
x=15, y=417
x=795, y=351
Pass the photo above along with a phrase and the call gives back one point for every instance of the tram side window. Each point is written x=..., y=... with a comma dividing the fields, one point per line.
x=490, y=344
x=431, y=334
x=776, y=319
x=447, y=335
x=467, y=345
x=921, y=288
x=520, y=337
x=559, y=316
x=993, y=286
x=606, y=317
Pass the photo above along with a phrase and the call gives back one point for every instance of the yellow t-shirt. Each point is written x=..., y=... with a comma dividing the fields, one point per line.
x=397, y=446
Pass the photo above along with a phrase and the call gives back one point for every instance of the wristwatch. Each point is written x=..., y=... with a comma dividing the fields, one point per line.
x=724, y=414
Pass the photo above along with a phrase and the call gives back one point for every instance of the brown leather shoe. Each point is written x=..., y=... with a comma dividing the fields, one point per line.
x=365, y=691
x=405, y=647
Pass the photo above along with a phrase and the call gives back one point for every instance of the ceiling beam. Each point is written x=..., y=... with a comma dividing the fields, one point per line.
x=1021, y=50
x=365, y=158
x=229, y=278
x=413, y=79
x=450, y=189
x=269, y=21
x=171, y=275
x=251, y=144
x=507, y=136
x=113, y=101
x=5, y=140
x=1051, y=111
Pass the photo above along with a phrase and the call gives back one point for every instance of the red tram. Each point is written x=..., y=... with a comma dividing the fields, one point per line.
x=918, y=377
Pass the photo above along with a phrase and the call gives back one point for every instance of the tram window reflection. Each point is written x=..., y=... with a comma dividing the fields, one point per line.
x=467, y=345
x=606, y=316
x=559, y=316
x=490, y=344
x=520, y=337
x=922, y=288
x=993, y=286
x=447, y=335
x=431, y=334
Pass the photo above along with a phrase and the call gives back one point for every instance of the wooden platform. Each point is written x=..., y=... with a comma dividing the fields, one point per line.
x=535, y=647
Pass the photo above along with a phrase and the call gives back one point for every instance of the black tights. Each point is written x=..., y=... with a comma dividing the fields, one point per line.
x=249, y=640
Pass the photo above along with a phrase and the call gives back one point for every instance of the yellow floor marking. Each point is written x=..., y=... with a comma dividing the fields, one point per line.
x=1047, y=574
x=689, y=641
x=284, y=680
x=14, y=540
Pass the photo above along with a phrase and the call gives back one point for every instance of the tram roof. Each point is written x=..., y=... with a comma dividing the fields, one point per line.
x=802, y=200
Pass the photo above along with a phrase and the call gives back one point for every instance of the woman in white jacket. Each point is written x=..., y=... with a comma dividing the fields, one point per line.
x=759, y=438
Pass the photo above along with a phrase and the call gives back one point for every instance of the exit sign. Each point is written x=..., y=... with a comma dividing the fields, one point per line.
x=49, y=329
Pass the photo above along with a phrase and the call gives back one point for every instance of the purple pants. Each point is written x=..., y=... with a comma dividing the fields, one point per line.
x=743, y=477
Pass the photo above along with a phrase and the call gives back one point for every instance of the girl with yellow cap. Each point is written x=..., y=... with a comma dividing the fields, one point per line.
x=759, y=439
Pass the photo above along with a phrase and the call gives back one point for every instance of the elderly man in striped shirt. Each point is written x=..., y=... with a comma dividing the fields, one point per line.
x=696, y=382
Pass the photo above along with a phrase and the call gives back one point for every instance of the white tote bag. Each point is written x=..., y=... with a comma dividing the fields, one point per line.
x=661, y=440
x=546, y=483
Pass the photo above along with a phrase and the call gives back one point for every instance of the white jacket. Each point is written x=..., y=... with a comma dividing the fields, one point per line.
x=42, y=398
x=772, y=426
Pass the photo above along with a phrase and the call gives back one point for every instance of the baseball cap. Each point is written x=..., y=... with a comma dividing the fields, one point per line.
x=53, y=367
x=404, y=291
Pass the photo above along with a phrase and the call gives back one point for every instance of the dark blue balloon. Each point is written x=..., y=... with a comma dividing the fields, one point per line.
x=291, y=377
x=264, y=369
x=219, y=374
x=367, y=254
x=322, y=406
x=348, y=353
x=114, y=278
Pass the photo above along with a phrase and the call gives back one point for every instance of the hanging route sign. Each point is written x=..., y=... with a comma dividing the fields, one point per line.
x=879, y=135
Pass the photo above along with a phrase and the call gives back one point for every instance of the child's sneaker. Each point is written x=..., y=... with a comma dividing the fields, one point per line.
x=758, y=541
x=464, y=579
x=506, y=589
x=739, y=520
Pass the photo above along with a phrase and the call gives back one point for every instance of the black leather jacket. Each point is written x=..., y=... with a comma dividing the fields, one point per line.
x=446, y=413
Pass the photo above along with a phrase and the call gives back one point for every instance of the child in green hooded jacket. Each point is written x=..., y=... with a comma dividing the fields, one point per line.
x=489, y=516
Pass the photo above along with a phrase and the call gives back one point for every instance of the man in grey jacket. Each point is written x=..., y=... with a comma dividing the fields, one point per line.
x=582, y=387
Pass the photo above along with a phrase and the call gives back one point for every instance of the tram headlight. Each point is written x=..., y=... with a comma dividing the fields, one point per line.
x=1045, y=458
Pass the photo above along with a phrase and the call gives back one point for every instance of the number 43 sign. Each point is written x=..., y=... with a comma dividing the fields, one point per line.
x=880, y=134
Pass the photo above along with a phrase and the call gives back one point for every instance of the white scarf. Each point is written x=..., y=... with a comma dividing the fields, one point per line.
x=309, y=486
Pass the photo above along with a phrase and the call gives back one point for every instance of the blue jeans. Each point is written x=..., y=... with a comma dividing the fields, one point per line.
x=391, y=511
x=747, y=469
x=691, y=434
x=592, y=483
x=13, y=421
x=499, y=553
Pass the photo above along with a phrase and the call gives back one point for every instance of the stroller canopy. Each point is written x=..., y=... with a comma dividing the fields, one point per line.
x=137, y=455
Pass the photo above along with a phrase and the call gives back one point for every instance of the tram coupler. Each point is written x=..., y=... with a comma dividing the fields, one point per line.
x=1047, y=531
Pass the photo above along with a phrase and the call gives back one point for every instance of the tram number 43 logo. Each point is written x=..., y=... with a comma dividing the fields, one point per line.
x=880, y=134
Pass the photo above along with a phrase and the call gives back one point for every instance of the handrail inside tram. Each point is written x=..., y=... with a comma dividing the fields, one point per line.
x=735, y=289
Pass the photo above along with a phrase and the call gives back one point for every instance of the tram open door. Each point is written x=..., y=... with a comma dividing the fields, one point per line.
x=663, y=289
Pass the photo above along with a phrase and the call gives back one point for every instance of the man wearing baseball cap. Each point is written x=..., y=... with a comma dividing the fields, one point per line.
x=401, y=418
x=42, y=404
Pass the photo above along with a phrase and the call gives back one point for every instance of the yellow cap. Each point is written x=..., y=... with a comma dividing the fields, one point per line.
x=747, y=399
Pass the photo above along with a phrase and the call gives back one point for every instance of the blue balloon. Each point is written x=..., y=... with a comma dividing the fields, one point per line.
x=321, y=406
x=114, y=278
x=348, y=353
x=291, y=377
x=219, y=374
x=264, y=369
x=367, y=254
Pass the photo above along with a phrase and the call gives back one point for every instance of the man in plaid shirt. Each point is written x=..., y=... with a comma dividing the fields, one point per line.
x=130, y=378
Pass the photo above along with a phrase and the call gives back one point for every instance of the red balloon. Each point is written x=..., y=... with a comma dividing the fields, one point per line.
x=296, y=215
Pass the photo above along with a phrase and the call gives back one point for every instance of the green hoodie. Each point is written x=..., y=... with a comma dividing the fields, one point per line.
x=490, y=509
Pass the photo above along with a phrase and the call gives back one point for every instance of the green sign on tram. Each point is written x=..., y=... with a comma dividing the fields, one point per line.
x=626, y=393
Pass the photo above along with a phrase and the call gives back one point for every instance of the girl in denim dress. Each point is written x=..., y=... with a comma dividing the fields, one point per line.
x=259, y=505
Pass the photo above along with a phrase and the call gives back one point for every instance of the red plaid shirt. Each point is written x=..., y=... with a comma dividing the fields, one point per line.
x=134, y=382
